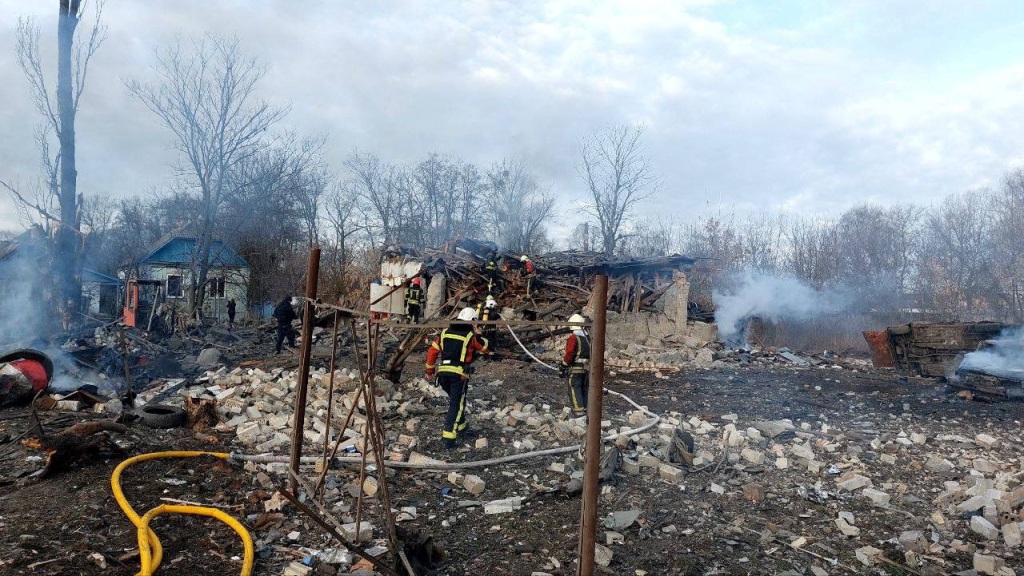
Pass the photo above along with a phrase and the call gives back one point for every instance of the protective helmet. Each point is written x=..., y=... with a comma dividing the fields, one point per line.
x=490, y=302
x=523, y=258
x=577, y=319
x=467, y=314
x=415, y=281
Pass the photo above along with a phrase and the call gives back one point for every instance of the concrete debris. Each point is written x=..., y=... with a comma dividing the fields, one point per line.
x=980, y=525
x=985, y=564
x=503, y=506
x=846, y=528
x=621, y=520
x=603, y=555
x=868, y=555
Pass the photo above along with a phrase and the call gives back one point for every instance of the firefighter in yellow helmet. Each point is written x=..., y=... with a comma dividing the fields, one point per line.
x=450, y=357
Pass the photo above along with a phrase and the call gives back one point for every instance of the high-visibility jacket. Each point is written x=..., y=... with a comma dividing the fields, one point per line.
x=485, y=313
x=414, y=296
x=577, y=353
x=453, y=351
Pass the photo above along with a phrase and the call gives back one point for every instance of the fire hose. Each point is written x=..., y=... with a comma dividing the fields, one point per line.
x=438, y=465
x=150, y=550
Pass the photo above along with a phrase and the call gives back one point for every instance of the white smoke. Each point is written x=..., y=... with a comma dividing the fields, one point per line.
x=22, y=290
x=1004, y=358
x=771, y=298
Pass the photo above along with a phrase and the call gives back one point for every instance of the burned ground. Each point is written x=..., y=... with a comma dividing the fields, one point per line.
x=907, y=437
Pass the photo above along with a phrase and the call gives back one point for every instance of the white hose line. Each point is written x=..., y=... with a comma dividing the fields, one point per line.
x=272, y=458
x=650, y=424
x=521, y=345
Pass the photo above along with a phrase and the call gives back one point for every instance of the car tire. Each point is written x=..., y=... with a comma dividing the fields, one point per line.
x=161, y=416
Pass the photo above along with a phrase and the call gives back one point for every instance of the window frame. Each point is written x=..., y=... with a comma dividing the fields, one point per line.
x=181, y=285
x=212, y=290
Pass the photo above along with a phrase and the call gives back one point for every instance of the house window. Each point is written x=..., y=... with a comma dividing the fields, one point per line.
x=217, y=288
x=175, y=286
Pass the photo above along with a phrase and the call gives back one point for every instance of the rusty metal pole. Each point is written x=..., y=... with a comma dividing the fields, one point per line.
x=299, y=422
x=592, y=455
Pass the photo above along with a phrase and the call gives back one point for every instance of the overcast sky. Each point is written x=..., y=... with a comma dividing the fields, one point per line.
x=804, y=106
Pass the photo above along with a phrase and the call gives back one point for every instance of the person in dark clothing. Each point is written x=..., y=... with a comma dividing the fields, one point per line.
x=414, y=300
x=454, y=351
x=575, y=365
x=231, y=313
x=284, y=314
x=491, y=272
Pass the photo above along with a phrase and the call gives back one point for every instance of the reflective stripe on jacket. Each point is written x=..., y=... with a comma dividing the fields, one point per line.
x=454, y=349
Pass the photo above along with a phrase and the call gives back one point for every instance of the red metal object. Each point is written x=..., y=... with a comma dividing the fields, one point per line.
x=23, y=373
x=878, y=343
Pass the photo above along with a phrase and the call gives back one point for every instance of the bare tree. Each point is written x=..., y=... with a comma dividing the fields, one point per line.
x=1008, y=244
x=341, y=205
x=383, y=190
x=813, y=251
x=659, y=237
x=207, y=99
x=583, y=237
x=446, y=196
x=956, y=262
x=876, y=248
x=618, y=176
x=516, y=208
x=59, y=112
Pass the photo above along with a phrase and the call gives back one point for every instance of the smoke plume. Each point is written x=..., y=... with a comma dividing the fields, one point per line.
x=770, y=298
x=22, y=315
x=1003, y=359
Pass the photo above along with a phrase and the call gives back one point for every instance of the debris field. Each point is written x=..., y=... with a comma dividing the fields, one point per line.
x=833, y=467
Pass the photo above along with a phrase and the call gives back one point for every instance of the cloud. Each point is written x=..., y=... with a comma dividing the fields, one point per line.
x=789, y=106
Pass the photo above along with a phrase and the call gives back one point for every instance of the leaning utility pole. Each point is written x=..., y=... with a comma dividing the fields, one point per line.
x=592, y=448
x=299, y=421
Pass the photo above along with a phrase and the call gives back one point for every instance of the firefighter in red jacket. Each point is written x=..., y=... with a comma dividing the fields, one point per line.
x=449, y=357
x=575, y=365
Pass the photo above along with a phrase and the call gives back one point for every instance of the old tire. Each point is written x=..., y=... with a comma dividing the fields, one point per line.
x=161, y=416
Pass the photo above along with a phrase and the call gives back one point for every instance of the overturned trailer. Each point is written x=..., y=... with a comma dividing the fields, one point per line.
x=932, y=349
x=995, y=371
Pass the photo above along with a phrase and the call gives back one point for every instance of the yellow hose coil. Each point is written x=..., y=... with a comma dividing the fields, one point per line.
x=150, y=551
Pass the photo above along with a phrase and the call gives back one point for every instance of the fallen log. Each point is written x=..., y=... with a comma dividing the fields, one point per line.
x=75, y=443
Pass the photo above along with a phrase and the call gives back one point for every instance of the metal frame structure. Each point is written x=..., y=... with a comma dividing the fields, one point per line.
x=373, y=436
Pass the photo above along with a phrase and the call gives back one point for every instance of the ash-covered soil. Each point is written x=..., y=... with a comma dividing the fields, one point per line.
x=856, y=421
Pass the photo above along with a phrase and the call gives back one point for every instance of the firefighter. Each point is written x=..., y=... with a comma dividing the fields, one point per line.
x=491, y=272
x=284, y=314
x=488, y=310
x=575, y=365
x=450, y=357
x=414, y=300
x=528, y=271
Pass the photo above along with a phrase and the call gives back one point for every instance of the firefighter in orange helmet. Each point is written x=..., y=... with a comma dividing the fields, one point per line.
x=414, y=300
